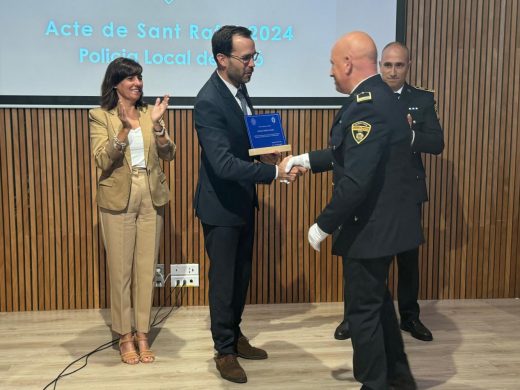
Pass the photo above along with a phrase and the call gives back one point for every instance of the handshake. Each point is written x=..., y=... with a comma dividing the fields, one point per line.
x=288, y=170
x=290, y=167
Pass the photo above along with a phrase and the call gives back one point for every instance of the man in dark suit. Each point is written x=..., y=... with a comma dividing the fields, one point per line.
x=372, y=213
x=427, y=137
x=225, y=197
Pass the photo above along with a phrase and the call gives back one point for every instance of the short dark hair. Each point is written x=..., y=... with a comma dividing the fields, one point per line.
x=118, y=70
x=222, y=40
x=398, y=44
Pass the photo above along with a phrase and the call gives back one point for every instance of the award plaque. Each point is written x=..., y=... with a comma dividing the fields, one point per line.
x=266, y=134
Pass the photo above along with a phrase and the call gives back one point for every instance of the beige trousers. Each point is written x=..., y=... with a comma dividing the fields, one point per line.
x=132, y=239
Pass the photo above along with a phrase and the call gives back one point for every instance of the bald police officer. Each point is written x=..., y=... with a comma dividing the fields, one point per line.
x=373, y=212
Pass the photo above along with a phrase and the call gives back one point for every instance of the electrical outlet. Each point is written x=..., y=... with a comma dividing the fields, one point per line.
x=185, y=281
x=158, y=280
x=185, y=275
x=184, y=269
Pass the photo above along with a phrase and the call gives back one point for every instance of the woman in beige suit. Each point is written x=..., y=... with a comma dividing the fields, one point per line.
x=127, y=138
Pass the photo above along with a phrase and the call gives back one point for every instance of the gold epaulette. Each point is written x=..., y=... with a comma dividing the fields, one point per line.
x=424, y=89
x=363, y=97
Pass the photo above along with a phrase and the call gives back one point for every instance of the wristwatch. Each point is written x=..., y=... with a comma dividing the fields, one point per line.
x=159, y=133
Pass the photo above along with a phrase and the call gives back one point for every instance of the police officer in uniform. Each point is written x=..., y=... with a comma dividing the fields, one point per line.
x=372, y=213
x=427, y=137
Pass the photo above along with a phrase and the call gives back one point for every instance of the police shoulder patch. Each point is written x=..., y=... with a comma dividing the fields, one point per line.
x=360, y=131
x=363, y=97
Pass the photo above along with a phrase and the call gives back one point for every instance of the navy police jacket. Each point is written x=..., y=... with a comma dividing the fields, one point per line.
x=420, y=104
x=373, y=211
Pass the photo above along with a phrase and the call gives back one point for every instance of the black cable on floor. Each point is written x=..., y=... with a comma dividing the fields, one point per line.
x=109, y=344
x=62, y=374
x=171, y=309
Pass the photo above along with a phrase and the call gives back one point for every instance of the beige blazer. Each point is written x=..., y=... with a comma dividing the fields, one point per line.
x=115, y=169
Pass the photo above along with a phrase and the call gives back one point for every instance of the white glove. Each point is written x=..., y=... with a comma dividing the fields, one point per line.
x=301, y=160
x=316, y=236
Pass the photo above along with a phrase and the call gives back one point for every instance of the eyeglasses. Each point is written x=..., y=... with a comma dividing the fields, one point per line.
x=247, y=58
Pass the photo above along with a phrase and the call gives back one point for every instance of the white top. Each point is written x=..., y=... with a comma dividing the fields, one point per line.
x=136, y=145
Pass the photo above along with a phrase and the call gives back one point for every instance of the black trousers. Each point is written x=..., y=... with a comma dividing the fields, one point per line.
x=376, y=338
x=408, y=285
x=230, y=250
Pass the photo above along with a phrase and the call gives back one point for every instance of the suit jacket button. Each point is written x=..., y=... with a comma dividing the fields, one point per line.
x=355, y=218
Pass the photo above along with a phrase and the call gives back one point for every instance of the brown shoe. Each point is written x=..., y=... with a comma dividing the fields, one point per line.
x=247, y=351
x=230, y=369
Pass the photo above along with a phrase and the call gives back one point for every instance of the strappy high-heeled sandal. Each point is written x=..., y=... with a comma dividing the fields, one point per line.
x=130, y=357
x=145, y=355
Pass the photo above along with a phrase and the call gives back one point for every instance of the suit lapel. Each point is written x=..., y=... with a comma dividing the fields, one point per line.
x=226, y=94
x=404, y=99
x=116, y=126
x=146, y=124
x=116, y=123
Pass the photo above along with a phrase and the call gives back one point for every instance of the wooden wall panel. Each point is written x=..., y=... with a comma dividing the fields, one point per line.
x=468, y=52
x=51, y=249
x=285, y=269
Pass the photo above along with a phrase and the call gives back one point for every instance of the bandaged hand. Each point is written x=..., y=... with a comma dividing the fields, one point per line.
x=301, y=160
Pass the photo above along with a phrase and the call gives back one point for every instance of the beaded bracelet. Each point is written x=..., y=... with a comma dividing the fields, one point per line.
x=119, y=145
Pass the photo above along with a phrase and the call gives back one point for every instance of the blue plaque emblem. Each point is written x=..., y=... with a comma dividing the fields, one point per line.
x=266, y=134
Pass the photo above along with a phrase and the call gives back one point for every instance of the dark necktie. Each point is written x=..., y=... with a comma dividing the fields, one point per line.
x=397, y=95
x=243, y=102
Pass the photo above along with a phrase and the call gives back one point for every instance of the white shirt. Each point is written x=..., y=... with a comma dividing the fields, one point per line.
x=234, y=91
x=136, y=145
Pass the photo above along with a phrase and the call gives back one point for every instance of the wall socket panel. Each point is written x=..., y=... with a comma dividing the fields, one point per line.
x=184, y=275
x=158, y=279
x=184, y=269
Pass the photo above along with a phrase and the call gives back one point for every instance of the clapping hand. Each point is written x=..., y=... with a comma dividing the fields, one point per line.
x=123, y=116
x=159, y=108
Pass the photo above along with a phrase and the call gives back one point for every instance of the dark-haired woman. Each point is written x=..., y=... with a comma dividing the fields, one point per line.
x=128, y=138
